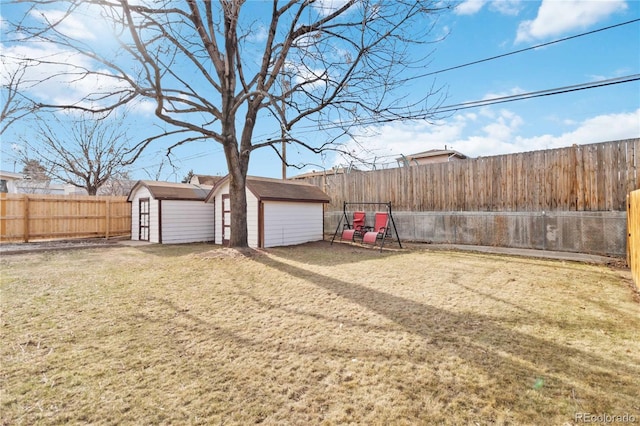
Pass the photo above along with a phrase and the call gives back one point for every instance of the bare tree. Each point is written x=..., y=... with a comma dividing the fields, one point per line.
x=36, y=179
x=187, y=178
x=120, y=183
x=213, y=69
x=84, y=151
x=34, y=170
x=14, y=104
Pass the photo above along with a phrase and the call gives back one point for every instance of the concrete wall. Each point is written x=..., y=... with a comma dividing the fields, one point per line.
x=602, y=233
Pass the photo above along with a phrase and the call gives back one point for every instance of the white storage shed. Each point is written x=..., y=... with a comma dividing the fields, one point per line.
x=171, y=213
x=279, y=213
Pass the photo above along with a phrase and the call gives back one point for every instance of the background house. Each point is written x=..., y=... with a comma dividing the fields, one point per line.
x=431, y=156
x=204, y=179
x=8, y=182
x=17, y=183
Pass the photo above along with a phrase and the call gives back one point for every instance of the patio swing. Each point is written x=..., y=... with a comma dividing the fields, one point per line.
x=356, y=228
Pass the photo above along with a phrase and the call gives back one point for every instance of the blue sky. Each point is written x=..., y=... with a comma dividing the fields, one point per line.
x=476, y=30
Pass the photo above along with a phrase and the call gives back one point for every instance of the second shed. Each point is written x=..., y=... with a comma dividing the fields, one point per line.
x=279, y=213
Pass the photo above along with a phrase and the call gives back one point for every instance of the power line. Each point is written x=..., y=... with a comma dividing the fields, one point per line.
x=540, y=93
x=491, y=101
x=522, y=50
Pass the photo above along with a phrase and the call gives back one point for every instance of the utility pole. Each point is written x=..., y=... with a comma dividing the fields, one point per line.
x=285, y=88
x=284, y=153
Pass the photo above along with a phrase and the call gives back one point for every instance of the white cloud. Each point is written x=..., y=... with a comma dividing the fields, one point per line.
x=69, y=25
x=469, y=7
x=56, y=80
x=602, y=128
x=490, y=132
x=326, y=7
x=505, y=7
x=558, y=17
x=258, y=34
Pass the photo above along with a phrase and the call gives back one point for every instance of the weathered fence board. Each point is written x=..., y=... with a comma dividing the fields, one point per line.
x=633, y=241
x=27, y=217
x=594, y=177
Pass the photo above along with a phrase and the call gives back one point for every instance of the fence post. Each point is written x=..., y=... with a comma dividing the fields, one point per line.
x=107, y=219
x=3, y=215
x=25, y=214
x=629, y=230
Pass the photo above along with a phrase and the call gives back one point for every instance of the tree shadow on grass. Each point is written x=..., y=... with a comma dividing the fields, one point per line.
x=173, y=250
x=323, y=253
x=579, y=379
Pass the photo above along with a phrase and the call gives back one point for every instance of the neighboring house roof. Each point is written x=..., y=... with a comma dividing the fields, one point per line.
x=205, y=179
x=332, y=171
x=11, y=175
x=172, y=191
x=434, y=153
x=266, y=189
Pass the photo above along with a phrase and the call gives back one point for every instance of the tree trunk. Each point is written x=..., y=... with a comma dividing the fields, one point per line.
x=238, y=168
x=238, y=196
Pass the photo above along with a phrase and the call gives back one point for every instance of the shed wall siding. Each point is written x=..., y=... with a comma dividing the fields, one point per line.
x=224, y=189
x=287, y=223
x=187, y=221
x=154, y=221
x=135, y=218
x=252, y=220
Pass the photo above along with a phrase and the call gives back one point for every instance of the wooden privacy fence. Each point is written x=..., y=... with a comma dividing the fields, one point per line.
x=633, y=241
x=594, y=177
x=26, y=217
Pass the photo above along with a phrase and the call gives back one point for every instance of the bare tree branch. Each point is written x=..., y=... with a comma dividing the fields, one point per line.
x=15, y=105
x=209, y=77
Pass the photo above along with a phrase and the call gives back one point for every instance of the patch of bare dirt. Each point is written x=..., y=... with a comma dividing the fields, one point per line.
x=18, y=247
x=230, y=253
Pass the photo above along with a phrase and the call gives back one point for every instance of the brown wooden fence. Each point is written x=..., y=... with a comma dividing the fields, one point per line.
x=26, y=217
x=633, y=241
x=594, y=177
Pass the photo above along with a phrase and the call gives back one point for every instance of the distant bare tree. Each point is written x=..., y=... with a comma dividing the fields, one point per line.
x=36, y=179
x=213, y=69
x=120, y=183
x=85, y=151
x=34, y=170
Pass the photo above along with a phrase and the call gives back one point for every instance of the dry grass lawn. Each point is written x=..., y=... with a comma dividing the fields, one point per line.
x=316, y=334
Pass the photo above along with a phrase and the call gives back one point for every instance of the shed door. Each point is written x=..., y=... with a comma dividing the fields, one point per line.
x=144, y=219
x=226, y=219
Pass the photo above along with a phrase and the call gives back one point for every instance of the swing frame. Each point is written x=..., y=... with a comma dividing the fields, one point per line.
x=388, y=232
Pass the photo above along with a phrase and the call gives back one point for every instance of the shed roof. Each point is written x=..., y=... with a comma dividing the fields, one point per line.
x=172, y=191
x=11, y=175
x=267, y=189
